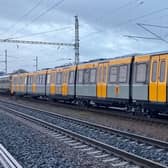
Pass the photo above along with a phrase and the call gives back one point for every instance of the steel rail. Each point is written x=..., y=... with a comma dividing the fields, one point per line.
x=151, y=141
x=7, y=160
x=128, y=156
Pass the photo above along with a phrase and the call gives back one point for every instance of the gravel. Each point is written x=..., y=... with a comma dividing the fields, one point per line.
x=121, y=123
x=152, y=154
x=34, y=149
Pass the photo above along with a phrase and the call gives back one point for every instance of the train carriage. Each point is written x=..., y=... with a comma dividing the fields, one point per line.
x=138, y=82
x=19, y=84
x=5, y=84
x=86, y=83
x=61, y=83
x=39, y=83
x=119, y=80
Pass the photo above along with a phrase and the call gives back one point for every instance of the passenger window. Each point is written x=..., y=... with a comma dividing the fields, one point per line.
x=123, y=73
x=48, y=79
x=104, y=74
x=154, y=71
x=25, y=80
x=92, y=75
x=71, y=77
x=162, y=71
x=100, y=74
x=86, y=76
x=59, y=77
x=80, y=76
x=113, y=74
x=141, y=70
x=52, y=78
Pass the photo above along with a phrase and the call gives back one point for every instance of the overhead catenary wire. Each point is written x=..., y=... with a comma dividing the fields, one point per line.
x=151, y=32
x=23, y=16
x=142, y=16
x=41, y=33
x=40, y=15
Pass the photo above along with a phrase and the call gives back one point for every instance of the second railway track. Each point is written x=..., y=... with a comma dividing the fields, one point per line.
x=144, y=151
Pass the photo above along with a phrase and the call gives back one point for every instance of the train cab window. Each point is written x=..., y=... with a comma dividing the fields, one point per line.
x=123, y=69
x=71, y=77
x=154, y=71
x=80, y=77
x=113, y=74
x=86, y=76
x=141, y=70
x=93, y=75
x=162, y=71
x=58, y=77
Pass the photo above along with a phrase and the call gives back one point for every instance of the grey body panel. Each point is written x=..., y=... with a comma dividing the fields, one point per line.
x=48, y=90
x=123, y=91
x=29, y=89
x=140, y=92
x=58, y=89
x=40, y=89
x=70, y=89
x=86, y=90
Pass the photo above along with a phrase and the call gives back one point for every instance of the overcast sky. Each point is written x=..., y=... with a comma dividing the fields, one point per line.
x=103, y=26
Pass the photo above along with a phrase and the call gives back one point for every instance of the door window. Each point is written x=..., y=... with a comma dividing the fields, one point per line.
x=162, y=71
x=154, y=71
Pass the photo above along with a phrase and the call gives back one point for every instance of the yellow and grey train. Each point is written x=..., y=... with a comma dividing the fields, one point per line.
x=137, y=82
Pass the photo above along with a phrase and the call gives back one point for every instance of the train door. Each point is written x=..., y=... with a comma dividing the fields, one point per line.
x=158, y=78
x=65, y=83
x=102, y=80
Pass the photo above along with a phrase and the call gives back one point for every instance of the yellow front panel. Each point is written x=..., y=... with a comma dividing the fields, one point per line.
x=64, y=89
x=104, y=90
x=162, y=92
x=12, y=89
x=34, y=88
x=153, y=85
x=52, y=89
x=153, y=92
x=162, y=84
x=22, y=88
x=17, y=88
x=98, y=90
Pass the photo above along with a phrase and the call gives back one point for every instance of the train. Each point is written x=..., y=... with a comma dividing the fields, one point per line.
x=136, y=82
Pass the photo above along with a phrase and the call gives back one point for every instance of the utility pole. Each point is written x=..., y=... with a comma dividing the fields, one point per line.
x=75, y=45
x=36, y=64
x=6, y=62
x=76, y=40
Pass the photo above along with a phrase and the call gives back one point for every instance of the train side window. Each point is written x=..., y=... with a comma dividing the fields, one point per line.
x=162, y=71
x=86, y=76
x=113, y=74
x=80, y=77
x=123, y=69
x=93, y=75
x=141, y=70
x=59, y=77
x=48, y=78
x=52, y=78
x=104, y=74
x=44, y=79
x=71, y=77
x=154, y=71
x=24, y=80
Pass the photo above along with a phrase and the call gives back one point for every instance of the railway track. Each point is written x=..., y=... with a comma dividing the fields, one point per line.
x=114, y=146
x=6, y=159
x=118, y=112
